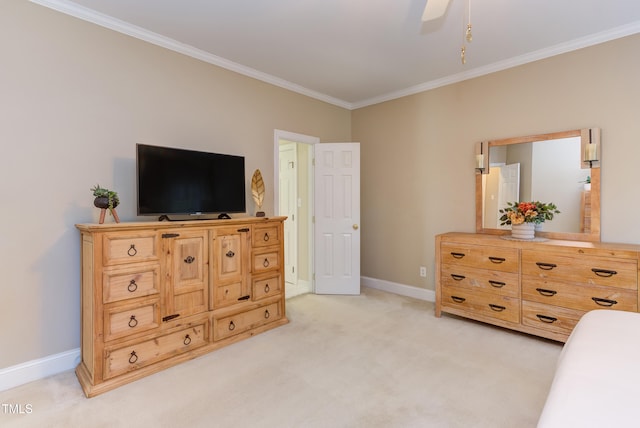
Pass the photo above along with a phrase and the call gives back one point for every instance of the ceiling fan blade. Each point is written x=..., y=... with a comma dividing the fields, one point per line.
x=434, y=9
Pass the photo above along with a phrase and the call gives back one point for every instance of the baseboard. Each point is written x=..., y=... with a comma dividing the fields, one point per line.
x=30, y=371
x=302, y=287
x=20, y=374
x=401, y=289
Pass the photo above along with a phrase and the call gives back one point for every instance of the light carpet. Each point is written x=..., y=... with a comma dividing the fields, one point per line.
x=374, y=360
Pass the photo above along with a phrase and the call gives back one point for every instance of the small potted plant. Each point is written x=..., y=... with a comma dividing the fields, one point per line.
x=105, y=198
x=587, y=183
x=524, y=216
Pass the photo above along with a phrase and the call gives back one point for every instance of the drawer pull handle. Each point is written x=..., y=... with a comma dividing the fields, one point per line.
x=497, y=284
x=187, y=340
x=244, y=229
x=232, y=326
x=265, y=263
x=170, y=235
x=604, y=273
x=497, y=308
x=457, y=255
x=497, y=260
x=133, y=358
x=546, y=292
x=189, y=260
x=457, y=277
x=547, y=319
x=546, y=266
x=244, y=297
x=132, y=250
x=133, y=321
x=132, y=286
x=266, y=314
x=266, y=288
x=604, y=302
x=230, y=253
x=458, y=299
x=170, y=317
x=266, y=236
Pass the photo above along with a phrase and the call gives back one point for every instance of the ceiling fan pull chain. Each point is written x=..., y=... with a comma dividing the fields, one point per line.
x=469, y=35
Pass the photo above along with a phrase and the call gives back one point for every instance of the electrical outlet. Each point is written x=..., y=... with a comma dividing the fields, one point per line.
x=423, y=271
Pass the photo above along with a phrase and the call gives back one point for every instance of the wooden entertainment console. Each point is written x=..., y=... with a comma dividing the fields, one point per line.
x=155, y=294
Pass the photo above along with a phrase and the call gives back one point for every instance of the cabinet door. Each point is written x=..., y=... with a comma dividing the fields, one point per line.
x=186, y=273
x=230, y=268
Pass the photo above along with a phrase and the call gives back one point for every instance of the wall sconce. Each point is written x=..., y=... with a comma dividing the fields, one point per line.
x=482, y=157
x=590, y=145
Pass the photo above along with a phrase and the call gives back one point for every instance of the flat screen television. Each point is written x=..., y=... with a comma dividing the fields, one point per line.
x=187, y=182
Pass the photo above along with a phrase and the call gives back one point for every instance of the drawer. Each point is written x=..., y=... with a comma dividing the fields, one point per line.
x=124, y=320
x=265, y=287
x=550, y=318
x=235, y=324
x=264, y=261
x=480, y=256
x=583, y=297
x=621, y=273
x=129, y=248
x=228, y=294
x=130, y=283
x=497, y=282
x=477, y=302
x=265, y=235
x=135, y=356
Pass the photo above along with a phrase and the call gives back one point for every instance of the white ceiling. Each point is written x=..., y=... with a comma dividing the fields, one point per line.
x=354, y=53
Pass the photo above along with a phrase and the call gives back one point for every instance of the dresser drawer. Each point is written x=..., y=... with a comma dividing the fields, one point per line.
x=130, y=283
x=497, y=282
x=129, y=248
x=583, y=297
x=477, y=302
x=239, y=323
x=621, y=273
x=265, y=287
x=479, y=256
x=550, y=318
x=265, y=235
x=134, y=356
x=264, y=261
x=124, y=320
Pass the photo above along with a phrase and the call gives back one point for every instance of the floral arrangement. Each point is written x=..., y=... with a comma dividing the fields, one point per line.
x=527, y=212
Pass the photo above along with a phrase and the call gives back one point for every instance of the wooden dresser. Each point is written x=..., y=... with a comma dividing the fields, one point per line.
x=541, y=288
x=155, y=294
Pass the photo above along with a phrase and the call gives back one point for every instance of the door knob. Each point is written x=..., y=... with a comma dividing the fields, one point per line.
x=355, y=227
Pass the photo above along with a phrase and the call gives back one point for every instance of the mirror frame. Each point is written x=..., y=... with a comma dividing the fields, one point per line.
x=594, y=234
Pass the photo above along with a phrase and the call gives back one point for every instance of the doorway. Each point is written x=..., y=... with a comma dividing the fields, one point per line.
x=294, y=199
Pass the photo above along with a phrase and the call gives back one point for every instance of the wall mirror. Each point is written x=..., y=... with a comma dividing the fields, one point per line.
x=547, y=168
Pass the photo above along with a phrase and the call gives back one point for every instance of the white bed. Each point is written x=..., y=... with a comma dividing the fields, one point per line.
x=597, y=379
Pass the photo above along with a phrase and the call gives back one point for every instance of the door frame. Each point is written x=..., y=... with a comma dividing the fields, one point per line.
x=290, y=254
x=279, y=135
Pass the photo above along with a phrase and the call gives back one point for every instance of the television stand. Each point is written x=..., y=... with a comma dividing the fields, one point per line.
x=221, y=216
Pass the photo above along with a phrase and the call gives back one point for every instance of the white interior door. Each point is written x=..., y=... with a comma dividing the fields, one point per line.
x=288, y=207
x=337, y=218
x=508, y=187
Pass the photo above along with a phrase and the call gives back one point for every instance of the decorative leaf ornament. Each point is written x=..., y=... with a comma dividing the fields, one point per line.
x=257, y=191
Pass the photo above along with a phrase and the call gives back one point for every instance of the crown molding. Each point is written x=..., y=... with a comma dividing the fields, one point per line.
x=89, y=15
x=583, y=42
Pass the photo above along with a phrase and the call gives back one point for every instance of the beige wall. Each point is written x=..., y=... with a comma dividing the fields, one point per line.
x=417, y=152
x=76, y=98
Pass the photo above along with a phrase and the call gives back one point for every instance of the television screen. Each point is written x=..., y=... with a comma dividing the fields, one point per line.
x=179, y=181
